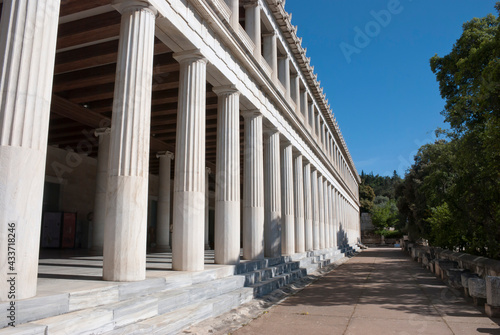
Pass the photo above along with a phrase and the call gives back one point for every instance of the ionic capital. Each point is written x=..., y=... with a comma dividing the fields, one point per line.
x=102, y=131
x=166, y=154
x=226, y=90
x=251, y=114
x=190, y=56
x=250, y=3
x=127, y=6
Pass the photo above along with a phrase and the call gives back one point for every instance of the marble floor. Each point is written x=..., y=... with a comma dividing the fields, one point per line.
x=63, y=271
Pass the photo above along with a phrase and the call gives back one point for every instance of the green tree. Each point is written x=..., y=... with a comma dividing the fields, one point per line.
x=385, y=215
x=451, y=194
x=366, y=196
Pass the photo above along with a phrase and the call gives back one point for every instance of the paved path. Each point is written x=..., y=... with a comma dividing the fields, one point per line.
x=380, y=291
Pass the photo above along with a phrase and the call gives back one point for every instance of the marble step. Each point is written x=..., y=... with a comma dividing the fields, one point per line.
x=174, y=322
x=265, y=287
x=105, y=293
x=264, y=274
x=97, y=320
x=249, y=266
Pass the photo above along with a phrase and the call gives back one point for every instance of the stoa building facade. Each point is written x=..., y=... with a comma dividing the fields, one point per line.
x=166, y=125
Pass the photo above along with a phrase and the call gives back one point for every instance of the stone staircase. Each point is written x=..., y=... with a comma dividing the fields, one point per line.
x=267, y=275
x=154, y=306
x=164, y=305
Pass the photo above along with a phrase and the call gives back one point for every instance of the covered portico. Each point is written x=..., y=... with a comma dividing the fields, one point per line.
x=122, y=103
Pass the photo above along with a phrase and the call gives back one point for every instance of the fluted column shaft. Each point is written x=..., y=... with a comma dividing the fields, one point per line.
x=327, y=214
x=272, y=191
x=308, y=208
x=321, y=202
x=28, y=32
x=253, y=26
x=253, y=187
x=227, y=177
x=207, y=208
x=298, y=174
x=127, y=202
x=101, y=187
x=315, y=203
x=164, y=194
x=333, y=232
x=189, y=176
x=287, y=194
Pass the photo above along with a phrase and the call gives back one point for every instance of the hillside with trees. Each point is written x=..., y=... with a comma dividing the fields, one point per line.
x=378, y=198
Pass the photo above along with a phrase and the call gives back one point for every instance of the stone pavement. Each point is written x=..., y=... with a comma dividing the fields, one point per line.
x=380, y=291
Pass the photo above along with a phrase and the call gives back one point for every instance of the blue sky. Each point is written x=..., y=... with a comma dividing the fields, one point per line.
x=386, y=98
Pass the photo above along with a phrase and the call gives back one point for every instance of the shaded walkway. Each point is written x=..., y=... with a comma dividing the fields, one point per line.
x=380, y=291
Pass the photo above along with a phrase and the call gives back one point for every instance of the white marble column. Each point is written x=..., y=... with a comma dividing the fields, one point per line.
x=272, y=191
x=207, y=208
x=127, y=201
x=101, y=187
x=298, y=173
x=304, y=105
x=28, y=32
x=295, y=91
x=327, y=214
x=234, y=6
x=308, y=208
x=227, y=177
x=321, y=204
x=270, y=52
x=189, y=176
x=164, y=191
x=312, y=119
x=315, y=204
x=253, y=25
x=333, y=232
x=284, y=73
x=253, y=187
x=287, y=197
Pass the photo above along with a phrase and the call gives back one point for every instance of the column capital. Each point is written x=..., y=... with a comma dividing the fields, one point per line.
x=102, y=131
x=269, y=34
x=250, y=114
x=189, y=55
x=296, y=153
x=227, y=89
x=270, y=130
x=167, y=154
x=125, y=6
x=285, y=141
x=250, y=3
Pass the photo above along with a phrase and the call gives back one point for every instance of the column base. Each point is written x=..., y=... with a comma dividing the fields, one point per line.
x=492, y=311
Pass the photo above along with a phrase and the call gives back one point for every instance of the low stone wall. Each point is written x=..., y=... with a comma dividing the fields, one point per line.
x=478, y=277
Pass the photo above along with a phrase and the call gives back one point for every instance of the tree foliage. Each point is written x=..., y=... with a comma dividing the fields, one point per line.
x=451, y=194
x=378, y=197
x=366, y=197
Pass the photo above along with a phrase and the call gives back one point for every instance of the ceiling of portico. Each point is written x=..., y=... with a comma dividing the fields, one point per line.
x=84, y=77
